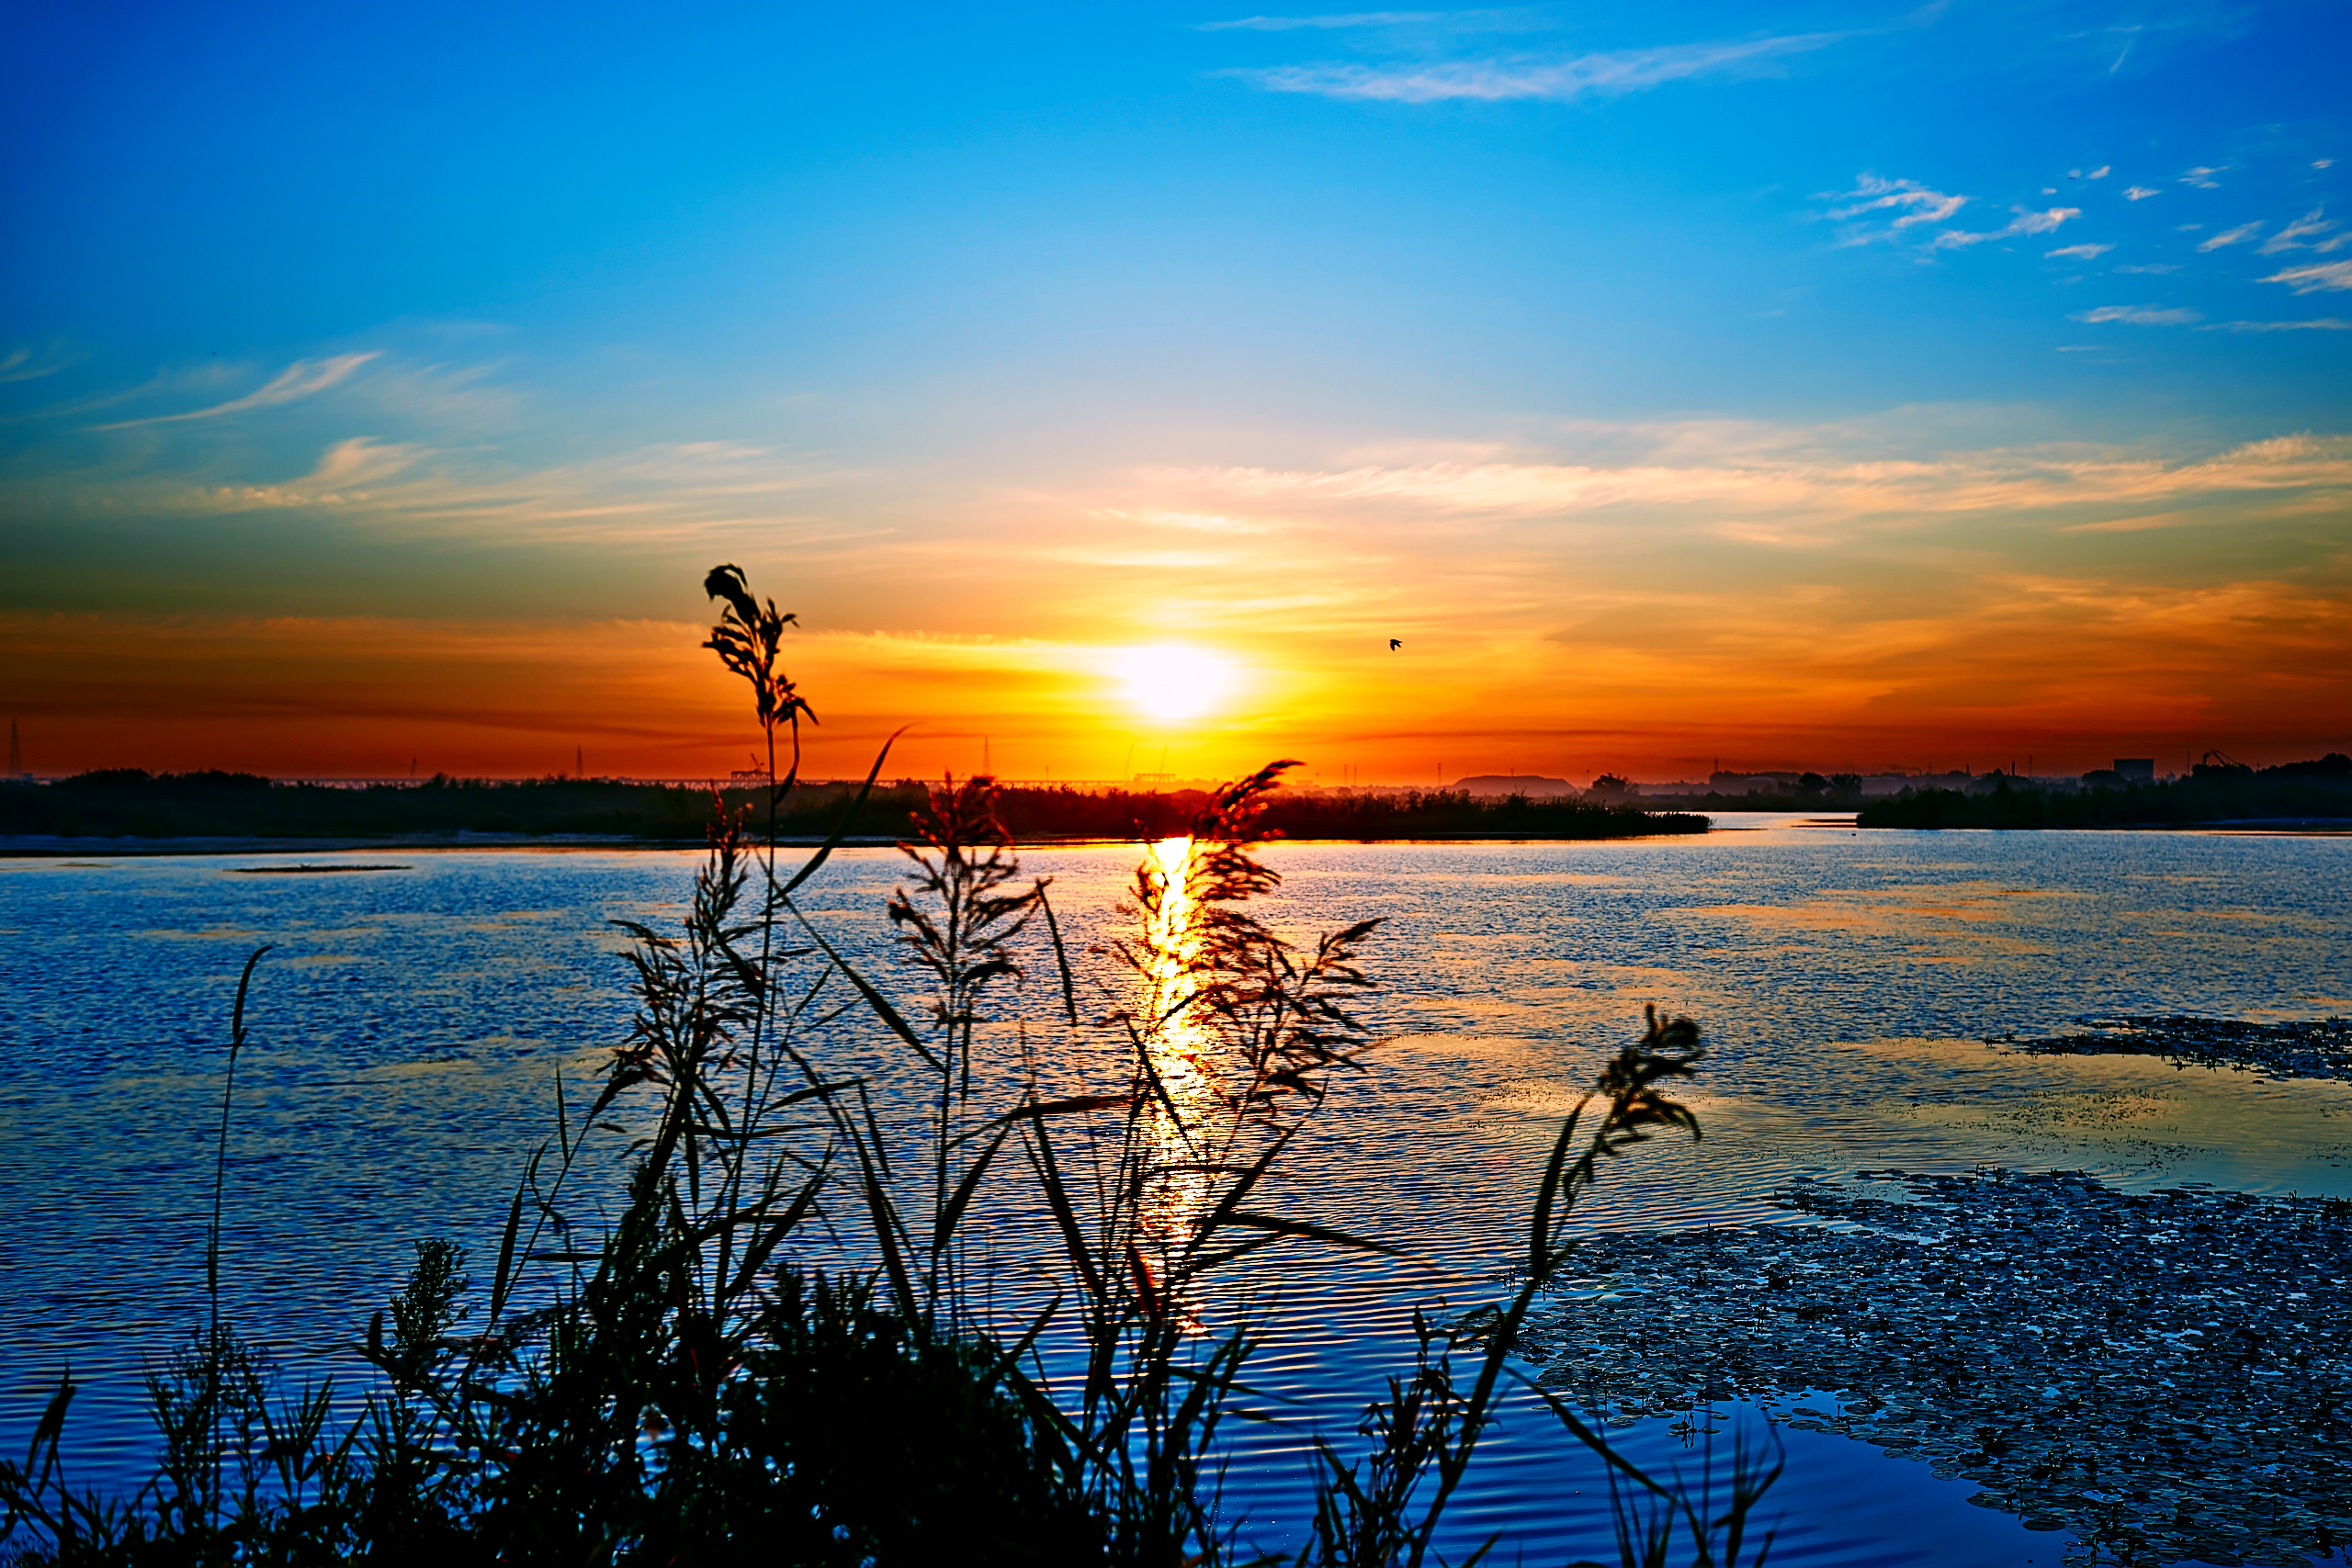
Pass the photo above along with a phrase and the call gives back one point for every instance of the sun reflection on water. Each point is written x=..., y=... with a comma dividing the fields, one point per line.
x=1179, y=1042
x=1182, y=1048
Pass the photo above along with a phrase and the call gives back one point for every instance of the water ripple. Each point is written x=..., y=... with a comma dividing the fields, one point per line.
x=408, y=1027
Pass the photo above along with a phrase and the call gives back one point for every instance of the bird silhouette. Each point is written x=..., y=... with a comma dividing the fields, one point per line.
x=1395, y=643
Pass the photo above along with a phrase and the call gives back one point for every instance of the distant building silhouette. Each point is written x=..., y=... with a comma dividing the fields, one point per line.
x=2136, y=770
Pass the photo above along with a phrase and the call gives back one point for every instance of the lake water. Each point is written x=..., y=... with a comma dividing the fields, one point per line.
x=407, y=1027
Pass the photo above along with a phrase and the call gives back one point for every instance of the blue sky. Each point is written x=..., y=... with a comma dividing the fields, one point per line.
x=974, y=327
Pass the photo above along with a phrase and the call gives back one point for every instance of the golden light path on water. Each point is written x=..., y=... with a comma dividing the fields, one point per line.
x=1183, y=1048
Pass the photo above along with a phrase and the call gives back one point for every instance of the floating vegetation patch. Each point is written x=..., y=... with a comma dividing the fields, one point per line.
x=305, y=869
x=2313, y=1048
x=2168, y=1375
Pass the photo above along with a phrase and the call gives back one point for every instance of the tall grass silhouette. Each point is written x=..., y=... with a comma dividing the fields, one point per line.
x=693, y=1386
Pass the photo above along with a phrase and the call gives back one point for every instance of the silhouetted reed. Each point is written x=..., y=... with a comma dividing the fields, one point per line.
x=691, y=1386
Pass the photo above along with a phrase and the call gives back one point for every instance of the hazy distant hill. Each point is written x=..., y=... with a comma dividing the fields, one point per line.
x=1532, y=785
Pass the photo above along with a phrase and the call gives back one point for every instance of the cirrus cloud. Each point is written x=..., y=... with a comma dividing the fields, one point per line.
x=1452, y=21
x=27, y=364
x=1911, y=201
x=1988, y=480
x=2237, y=236
x=2303, y=232
x=1524, y=77
x=2317, y=324
x=2332, y=275
x=2025, y=223
x=300, y=379
x=2139, y=315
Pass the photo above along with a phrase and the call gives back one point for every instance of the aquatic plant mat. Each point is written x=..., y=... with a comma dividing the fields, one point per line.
x=2312, y=1048
x=2166, y=1374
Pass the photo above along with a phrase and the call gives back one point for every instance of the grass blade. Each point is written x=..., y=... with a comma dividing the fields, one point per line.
x=874, y=999
x=502, y=1283
x=1041, y=1154
x=954, y=1209
x=1307, y=1230
x=825, y=850
x=1539, y=1225
x=1061, y=955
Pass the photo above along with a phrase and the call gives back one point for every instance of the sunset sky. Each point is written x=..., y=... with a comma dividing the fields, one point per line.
x=1819, y=386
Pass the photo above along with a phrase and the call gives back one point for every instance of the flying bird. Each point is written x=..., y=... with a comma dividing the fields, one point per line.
x=1395, y=643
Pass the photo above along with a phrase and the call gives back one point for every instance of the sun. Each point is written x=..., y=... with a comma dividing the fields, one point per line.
x=1170, y=683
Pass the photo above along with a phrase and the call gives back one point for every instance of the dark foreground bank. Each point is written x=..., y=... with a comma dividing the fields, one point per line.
x=129, y=803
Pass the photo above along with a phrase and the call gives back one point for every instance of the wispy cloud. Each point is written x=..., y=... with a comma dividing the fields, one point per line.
x=360, y=460
x=27, y=364
x=1457, y=21
x=2237, y=236
x=2318, y=325
x=1915, y=203
x=2139, y=315
x=680, y=491
x=1197, y=521
x=2132, y=36
x=2081, y=253
x=343, y=475
x=2158, y=268
x=446, y=395
x=2132, y=525
x=1558, y=80
x=2202, y=178
x=199, y=380
x=2025, y=223
x=2303, y=232
x=2140, y=193
x=2330, y=275
x=300, y=379
x=1971, y=481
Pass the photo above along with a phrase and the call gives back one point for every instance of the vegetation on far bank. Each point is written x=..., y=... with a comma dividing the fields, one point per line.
x=127, y=802
x=2319, y=790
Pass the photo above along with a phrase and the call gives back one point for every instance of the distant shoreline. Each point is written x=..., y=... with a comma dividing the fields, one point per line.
x=241, y=812
x=37, y=847
x=2310, y=796
x=34, y=847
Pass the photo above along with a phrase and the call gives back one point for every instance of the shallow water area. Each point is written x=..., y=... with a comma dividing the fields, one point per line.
x=408, y=1025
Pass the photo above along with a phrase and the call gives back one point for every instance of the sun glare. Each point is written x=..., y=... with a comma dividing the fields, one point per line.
x=1170, y=683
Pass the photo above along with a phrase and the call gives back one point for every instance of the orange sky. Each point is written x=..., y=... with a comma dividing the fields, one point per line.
x=1727, y=593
